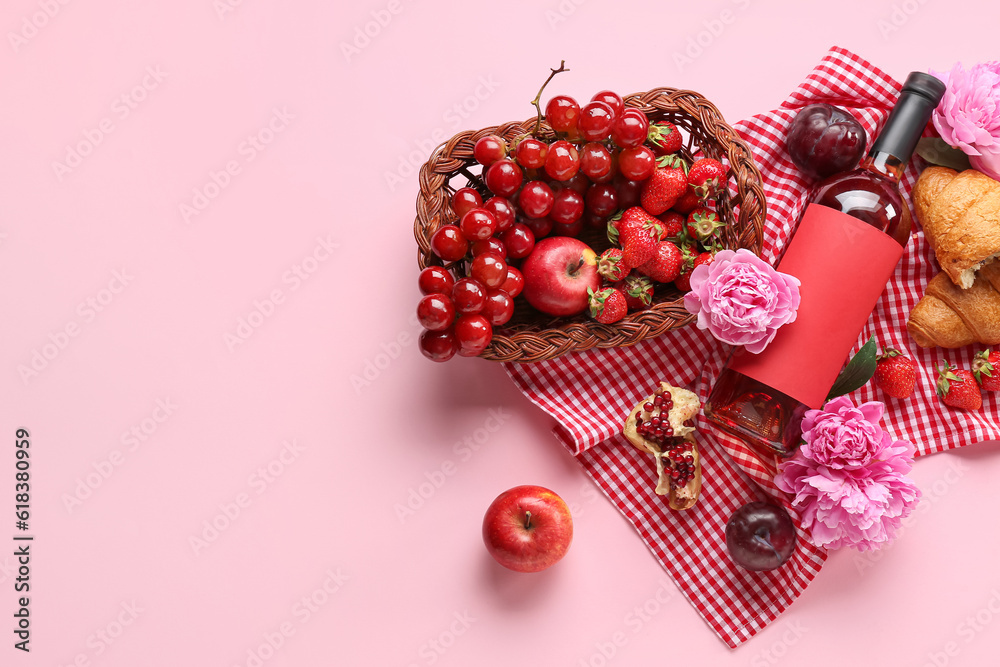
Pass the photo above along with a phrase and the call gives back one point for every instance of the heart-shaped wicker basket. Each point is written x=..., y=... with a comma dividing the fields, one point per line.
x=535, y=336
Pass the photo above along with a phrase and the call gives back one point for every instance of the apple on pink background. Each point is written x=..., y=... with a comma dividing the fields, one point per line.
x=528, y=528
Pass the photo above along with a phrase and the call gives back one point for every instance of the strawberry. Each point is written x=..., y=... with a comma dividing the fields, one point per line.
x=703, y=223
x=895, y=374
x=610, y=265
x=632, y=214
x=673, y=226
x=638, y=291
x=664, y=138
x=707, y=177
x=607, y=305
x=638, y=243
x=683, y=281
x=638, y=240
x=983, y=367
x=958, y=388
x=663, y=189
x=665, y=266
x=688, y=202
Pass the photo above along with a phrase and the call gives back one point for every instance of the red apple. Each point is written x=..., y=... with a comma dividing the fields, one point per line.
x=527, y=528
x=557, y=275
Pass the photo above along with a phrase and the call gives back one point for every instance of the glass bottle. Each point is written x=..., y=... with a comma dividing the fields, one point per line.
x=761, y=398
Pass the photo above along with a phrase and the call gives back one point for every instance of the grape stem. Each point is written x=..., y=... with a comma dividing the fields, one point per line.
x=538, y=97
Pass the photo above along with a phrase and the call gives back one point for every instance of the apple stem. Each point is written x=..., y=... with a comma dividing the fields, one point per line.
x=527, y=520
x=538, y=98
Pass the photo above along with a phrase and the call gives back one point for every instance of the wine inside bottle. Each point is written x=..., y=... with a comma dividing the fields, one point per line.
x=844, y=250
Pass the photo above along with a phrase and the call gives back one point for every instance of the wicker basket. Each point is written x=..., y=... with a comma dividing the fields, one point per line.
x=534, y=336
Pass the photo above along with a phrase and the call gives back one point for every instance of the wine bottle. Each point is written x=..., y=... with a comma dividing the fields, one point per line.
x=844, y=250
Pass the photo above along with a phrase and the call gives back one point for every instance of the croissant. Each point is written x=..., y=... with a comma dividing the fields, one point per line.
x=948, y=316
x=960, y=214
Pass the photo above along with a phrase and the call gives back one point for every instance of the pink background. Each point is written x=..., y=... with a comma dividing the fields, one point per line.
x=311, y=230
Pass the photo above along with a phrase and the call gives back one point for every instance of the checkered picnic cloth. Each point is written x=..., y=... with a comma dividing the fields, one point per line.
x=590, y=393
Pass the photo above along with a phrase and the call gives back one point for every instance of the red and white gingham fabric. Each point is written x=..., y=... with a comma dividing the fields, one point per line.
x=590, y=393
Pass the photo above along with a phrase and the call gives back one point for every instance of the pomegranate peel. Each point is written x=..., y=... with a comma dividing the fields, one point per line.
x=672, y=444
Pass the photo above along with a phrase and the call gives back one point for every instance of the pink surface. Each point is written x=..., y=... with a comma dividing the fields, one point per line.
x=210, y=327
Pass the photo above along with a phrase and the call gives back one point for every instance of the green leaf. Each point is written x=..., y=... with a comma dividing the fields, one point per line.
x=937, y=151
x=857, y=373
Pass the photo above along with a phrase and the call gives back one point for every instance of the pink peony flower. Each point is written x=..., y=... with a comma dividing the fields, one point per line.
x=849, y=477
x=843, y=436
x=968, y=116
x=741, y=299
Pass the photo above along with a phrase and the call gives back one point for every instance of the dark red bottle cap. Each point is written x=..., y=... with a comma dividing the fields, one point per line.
x=920, y=95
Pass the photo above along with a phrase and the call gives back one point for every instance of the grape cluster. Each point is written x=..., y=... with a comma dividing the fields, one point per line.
x=602, y=157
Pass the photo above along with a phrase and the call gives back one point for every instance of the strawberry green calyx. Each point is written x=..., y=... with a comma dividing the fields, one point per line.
x=888, y=353
x=610, y=265
x=672, y=161
x=705, y=224
x=640, y=288
x=659, y=133
x=613, y=227
x=688, y=254
x=946, y=376
x=597, y=300
x=981, y=365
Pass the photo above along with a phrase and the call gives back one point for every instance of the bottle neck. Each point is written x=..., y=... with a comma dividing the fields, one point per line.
x=885, y=164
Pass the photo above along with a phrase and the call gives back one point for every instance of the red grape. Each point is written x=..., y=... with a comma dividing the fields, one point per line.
x=536, y=199
x=563, y=161
x=519, y=240
x=478, y=224
x=531, y=153
x=602, y=199
x=436, y=280
x=580, y=183
x=503, y=212
x=540, y=227
x=595, y=121
x=514, y=282
x=464, y=200
x=438, y=345
x=562, y=112
x=637, y=163
x=593, y=221
x=567, y=207
x=612, y=99
x=449, y=244
x=468, y=296
x=492, y=244
x=436, y=312
x=630, y=129
x=499, y=307
x=628, y=192
x=474, y=334
x=595, y=160
x=503, y=178
x=490, y=270
x=572, y=229
x=489, y=149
